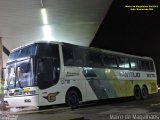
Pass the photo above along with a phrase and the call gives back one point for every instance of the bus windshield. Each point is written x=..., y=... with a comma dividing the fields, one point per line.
x=22, y=53
x=19, y=75
x=33, y=65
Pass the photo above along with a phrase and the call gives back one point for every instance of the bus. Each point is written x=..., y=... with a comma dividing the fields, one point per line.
x=50, y=73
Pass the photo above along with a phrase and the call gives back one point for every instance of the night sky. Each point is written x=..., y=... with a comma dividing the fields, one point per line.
x=134, y=32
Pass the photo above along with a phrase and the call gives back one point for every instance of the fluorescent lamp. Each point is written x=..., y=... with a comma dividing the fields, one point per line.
x=44, y=16
x=47, y=31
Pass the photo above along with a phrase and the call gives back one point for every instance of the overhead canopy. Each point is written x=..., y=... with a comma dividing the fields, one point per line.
x=73, y=21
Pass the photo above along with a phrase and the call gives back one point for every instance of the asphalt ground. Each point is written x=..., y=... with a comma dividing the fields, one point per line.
x=122, y=109
x=111, y=109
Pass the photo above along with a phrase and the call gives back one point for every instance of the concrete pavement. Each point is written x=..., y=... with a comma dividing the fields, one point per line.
x=31, y=113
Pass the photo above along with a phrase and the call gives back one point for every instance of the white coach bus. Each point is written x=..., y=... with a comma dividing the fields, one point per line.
x=50, y=73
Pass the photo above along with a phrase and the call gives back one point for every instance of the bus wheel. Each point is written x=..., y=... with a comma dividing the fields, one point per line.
x=144, y=92
x=137, y=93
x=72, y=99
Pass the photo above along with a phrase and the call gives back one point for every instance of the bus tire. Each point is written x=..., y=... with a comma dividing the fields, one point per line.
x=144, y=92
x=72, y=99
x=137, y=93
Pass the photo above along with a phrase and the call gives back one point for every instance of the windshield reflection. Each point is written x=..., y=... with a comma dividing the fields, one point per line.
x=19, y=75
x=9, y=77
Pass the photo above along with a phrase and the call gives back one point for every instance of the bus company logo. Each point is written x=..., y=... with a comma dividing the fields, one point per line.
x=129, y=74
x=51, y=97
x=151, y=75
x=69, y=74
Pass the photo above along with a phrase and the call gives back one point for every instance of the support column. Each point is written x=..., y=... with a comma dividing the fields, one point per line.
x=1, y=54
x=1, y=81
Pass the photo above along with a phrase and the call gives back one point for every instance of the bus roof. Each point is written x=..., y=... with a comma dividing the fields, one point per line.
x=125, y=54
x=20, y=47
x=99, y=49
x=113, y=52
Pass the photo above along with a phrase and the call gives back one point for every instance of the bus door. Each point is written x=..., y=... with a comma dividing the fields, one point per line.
x=47, y=76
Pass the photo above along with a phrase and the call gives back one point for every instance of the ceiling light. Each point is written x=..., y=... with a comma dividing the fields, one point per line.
x=47, y=31
x=44, y=16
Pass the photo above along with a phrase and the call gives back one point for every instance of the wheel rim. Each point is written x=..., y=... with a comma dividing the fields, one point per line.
x=73, y=100
x=137, y=93
x=144, y=93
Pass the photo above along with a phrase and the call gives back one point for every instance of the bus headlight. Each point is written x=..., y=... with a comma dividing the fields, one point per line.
x=30, y=92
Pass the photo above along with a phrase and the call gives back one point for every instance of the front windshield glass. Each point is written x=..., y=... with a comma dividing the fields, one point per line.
x=24, y=74
x=23, y=52
x=10, y=77
x=19, y=75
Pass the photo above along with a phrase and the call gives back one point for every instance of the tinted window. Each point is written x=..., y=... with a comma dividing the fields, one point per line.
x=24, y=52
x=47, y=75
x=151, y=65
x=68, y=55
x=109, y=61
x=145, y=65
x=123, y=62
x=141, y=64
x=79, y=54
x=135, y=63
x=48, y=50
x=28, y=51
x=94, y=59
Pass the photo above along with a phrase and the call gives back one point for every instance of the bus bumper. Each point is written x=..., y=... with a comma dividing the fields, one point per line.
x=22, y=101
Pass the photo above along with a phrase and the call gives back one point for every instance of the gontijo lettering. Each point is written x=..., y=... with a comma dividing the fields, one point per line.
x=129, y=74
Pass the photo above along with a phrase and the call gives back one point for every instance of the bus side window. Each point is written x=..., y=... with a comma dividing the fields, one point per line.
x=79, y=57
x=94, y=59
x=151, y=65
x=109, y=61
x=145, y=65
x=68, y=55
x=123, y=62
x=134, y=64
